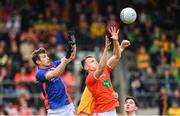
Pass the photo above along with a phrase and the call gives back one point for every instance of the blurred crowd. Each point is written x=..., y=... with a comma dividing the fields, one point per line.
x=30, y=24
x=156, y=44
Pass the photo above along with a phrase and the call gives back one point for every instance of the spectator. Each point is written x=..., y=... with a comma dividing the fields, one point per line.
x=83, y=24
x=15, y=56
x=40, y=24
x=3, y=55
x=154, y=49
x=11, y=69
x=177, y=57
x=97, y=30
x=14, y=22
x=162, y=66
x=176, y=97
x=66, y=11
x=29, y=34
x=26, y=48
x=163, y=101
x=150, y=83
x=162, y=53
x=136, y=86
x=59, y=51
x=164, y=43
x=70, y=81
x=174, y=110
x=143, y=60
x=157, y=32
x=23, y=107
x=12, y=109
x=175, y=71
x=167, y=80
x=21, y=78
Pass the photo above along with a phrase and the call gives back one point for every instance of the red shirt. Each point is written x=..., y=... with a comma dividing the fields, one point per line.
x=102, y=90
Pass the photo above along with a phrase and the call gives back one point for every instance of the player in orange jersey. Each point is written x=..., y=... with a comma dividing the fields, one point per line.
x=98, y=80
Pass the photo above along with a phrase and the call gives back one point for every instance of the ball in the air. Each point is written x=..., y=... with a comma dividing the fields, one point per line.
x=128, y=15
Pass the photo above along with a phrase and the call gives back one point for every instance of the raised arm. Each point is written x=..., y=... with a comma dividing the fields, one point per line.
x=103, y=60
x=71, y=54
x=61, y=67
x=113, y=61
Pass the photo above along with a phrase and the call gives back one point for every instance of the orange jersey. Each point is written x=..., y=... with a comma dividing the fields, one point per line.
x=102, y=90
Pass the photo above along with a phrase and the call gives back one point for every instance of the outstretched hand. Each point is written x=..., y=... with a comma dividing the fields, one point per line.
x=114, y=33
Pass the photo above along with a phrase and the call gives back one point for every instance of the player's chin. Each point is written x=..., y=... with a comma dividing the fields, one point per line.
x=48, y=63
x=94, y=68
x=127, y=109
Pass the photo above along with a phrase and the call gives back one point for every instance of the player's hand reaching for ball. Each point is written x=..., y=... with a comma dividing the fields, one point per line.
x=107, y=43
x=71, y=41
x=114, y=33
x=125, y=44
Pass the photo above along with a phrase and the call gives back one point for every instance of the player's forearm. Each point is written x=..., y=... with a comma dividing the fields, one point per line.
x=57, y=71
x=104, y=58
x=60, y=68
x=102, y=62
x=116, y=50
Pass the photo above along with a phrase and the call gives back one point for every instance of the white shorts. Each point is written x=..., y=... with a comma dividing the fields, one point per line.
x=67, y=110
x=109, y=113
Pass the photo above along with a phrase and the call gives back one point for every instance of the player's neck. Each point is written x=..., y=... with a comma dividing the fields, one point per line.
x=90, y=72
x=41, y=67
x=131, y=113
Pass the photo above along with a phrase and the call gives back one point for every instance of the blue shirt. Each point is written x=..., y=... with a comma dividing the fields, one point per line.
x=53, y=90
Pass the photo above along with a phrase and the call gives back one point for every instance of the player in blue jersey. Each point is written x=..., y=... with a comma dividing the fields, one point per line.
x=57, y=101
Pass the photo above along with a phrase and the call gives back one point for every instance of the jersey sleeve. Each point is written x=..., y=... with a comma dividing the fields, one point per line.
x=40, y=75
x=108, y=68
x=56, y=63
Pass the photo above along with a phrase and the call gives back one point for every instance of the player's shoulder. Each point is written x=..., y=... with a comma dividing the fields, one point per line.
x=91, y=79
x=40, y=75
x=108, y=68
x=41, y=71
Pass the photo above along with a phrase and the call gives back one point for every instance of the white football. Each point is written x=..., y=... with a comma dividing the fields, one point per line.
x=128, y=15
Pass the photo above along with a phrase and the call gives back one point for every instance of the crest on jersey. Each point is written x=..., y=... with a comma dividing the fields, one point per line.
x=106, y=83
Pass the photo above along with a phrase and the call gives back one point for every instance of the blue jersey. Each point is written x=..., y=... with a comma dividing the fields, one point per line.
x=54, y=89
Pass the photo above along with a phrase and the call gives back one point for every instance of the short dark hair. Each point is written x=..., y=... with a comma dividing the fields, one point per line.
x=84, y=60
x=35, y=54
x=133, y=98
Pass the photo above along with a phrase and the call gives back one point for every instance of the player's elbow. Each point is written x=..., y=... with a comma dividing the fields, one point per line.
x=117, y=56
